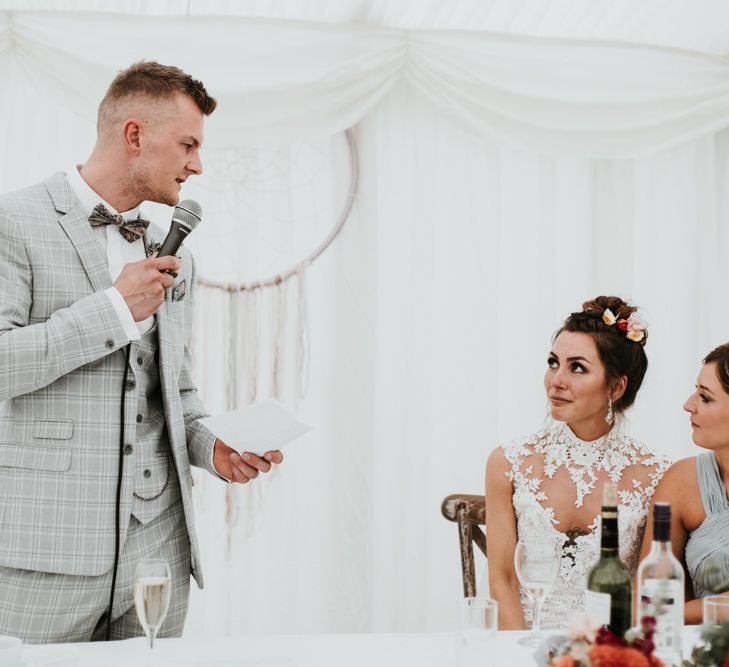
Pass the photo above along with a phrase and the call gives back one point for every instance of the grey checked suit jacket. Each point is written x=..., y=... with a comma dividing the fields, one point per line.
x=61, y=368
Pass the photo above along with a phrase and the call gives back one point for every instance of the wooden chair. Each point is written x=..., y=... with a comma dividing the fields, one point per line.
x=469, y=512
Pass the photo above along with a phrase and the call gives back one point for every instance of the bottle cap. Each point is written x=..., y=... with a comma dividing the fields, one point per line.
x=661, y=522
x=662, y=512
x=610, y=494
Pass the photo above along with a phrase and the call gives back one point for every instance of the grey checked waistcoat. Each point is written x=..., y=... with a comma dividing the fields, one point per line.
x=156, y=485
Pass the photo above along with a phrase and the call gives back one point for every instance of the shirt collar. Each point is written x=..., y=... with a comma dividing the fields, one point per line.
x=88, y=197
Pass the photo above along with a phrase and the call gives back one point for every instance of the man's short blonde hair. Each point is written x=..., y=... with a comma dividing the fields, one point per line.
x=153, y=82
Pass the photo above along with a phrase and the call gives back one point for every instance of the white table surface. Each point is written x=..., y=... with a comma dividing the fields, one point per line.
x=343, y=650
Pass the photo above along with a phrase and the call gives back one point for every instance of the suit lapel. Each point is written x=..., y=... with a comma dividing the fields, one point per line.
x=76, y=225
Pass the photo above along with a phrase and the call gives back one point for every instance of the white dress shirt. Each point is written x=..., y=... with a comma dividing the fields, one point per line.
x=119, y=251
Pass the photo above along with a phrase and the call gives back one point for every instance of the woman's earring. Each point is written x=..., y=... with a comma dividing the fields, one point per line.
x=609, y=415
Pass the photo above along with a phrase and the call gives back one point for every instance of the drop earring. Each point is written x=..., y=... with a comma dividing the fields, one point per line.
x=609, y=415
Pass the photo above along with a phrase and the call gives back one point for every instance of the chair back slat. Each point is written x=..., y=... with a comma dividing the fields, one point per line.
x=469, y=512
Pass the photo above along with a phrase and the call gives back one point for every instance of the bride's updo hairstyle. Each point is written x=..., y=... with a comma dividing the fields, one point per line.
x=620, y=336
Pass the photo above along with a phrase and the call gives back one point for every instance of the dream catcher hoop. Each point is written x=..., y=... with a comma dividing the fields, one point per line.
x=266, y=345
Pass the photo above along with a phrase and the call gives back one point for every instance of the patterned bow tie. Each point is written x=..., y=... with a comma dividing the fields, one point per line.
x=131, y=230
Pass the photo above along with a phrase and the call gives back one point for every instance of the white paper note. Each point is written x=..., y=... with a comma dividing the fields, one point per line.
x=258, y=428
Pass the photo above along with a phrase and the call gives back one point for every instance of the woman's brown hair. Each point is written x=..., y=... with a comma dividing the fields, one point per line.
x=720, y=356
x=620, y=355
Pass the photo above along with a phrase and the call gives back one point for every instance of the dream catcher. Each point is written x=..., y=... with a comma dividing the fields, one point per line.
x=269, y=215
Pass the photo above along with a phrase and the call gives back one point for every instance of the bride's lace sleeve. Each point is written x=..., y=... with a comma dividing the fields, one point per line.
x=522, y=475
x=645, y=471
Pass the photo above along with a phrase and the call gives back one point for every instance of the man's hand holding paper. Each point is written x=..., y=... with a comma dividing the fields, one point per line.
x=249, y=439
x=243, y=467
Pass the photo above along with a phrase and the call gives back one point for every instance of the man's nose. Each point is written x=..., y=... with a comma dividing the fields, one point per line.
x=195, y=165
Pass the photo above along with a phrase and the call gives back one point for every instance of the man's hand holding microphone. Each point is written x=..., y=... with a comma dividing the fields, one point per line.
x=142, y=284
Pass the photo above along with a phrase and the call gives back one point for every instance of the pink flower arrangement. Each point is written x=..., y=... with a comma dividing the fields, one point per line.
x=592, y=646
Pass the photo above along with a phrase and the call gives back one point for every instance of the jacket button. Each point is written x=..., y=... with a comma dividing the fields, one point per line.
x=109, y=343
x=140, y=361
x=131, y=384
x=139, y=419
x=147, y=473
x=128, y=449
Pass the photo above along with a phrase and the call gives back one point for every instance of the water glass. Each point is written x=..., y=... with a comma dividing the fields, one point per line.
x=477, y=618
x=716, y=609
x=477, y=624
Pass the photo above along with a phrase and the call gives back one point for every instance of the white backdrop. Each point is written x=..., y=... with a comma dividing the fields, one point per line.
x=517, y=158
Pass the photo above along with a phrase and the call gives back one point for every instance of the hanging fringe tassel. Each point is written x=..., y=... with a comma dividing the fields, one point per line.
x=231, y=400
x=279, y=332
x=251, y=326
x=301, y=376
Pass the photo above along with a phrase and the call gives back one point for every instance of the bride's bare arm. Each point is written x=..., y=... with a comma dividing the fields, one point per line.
x=501, y=541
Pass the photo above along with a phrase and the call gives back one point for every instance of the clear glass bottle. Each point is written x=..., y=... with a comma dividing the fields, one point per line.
x=661, y=587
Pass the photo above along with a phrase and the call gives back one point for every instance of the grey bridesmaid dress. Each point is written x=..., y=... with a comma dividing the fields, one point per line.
x=707, y=548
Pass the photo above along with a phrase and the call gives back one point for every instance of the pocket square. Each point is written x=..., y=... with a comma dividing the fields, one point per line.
x=178, y=291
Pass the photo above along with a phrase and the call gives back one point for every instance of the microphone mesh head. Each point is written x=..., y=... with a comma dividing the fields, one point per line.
x=188, y=213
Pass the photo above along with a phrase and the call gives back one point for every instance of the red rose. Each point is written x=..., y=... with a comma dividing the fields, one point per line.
x=623, y=325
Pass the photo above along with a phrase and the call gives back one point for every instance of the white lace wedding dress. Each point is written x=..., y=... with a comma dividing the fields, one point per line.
x=555, y=467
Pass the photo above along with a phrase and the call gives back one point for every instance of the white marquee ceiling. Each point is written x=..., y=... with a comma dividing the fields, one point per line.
x=701, y=25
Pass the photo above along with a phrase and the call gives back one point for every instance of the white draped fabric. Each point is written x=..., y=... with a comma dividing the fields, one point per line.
x=280, y=81
x=516, y=159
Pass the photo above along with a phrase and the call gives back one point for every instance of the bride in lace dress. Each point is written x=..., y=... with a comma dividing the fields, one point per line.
x=549, y=486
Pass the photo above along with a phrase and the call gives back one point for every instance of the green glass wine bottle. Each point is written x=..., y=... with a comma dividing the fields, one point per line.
x=609, y=595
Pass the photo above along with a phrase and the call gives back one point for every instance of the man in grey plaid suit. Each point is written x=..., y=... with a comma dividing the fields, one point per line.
x=88, y=324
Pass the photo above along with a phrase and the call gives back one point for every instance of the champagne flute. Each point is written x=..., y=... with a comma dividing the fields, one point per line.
x=152, y=595
x=537, y=565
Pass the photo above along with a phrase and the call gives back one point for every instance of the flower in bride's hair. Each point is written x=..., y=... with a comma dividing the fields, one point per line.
x=623, y=325
x=635, y=323
x=636, y=335
x=608, y=317
x=582, y=626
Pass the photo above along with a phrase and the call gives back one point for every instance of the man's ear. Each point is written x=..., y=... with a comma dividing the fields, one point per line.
x=132, y=131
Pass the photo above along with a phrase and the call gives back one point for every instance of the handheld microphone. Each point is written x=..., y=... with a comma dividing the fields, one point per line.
x=186, y=217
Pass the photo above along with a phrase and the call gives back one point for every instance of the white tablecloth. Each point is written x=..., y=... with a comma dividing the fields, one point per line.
x=362, y=650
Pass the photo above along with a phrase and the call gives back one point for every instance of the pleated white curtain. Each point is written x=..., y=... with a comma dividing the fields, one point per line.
x=280, y=81
x=505, y=179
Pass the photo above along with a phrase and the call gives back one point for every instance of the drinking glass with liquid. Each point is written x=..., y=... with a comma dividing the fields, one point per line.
x=152, y=589
x=537, y=564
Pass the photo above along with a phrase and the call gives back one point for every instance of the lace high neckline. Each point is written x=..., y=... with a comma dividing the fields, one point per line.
x=604, y=440
x=582, y=459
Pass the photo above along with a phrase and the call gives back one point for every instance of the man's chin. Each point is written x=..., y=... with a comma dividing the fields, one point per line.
x=168, y=198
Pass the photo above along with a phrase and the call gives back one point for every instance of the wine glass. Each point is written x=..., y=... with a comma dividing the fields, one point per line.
x=152, y=595
x=537, y=564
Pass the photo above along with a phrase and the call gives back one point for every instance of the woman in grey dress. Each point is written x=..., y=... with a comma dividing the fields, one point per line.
x=696, y=487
